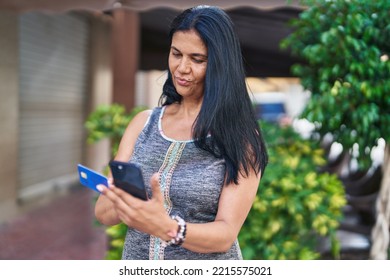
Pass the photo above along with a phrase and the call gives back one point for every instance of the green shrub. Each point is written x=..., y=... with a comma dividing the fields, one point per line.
x=295, y=203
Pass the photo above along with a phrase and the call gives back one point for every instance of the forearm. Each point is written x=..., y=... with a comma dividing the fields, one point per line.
x=105, y=213
x=211, y=237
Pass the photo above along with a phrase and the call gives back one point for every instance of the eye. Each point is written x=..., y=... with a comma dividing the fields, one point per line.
x=199, y=61
x=176, y=54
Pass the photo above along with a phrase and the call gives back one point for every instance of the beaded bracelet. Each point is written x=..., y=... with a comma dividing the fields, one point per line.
x=181, y=232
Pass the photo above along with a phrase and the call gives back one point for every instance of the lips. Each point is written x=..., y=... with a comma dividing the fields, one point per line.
x=182, y=82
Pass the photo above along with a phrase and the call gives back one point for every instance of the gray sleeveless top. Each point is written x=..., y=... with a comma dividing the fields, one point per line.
x=191, y=182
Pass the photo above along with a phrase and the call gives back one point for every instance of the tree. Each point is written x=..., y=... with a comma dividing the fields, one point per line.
x=345, y=48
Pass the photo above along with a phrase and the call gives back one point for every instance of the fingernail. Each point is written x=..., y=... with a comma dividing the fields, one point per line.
x=100, y=188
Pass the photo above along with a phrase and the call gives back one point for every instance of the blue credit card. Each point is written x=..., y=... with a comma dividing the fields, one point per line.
x=90, y=178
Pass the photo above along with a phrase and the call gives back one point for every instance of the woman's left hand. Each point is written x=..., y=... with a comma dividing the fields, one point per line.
x=147, y=216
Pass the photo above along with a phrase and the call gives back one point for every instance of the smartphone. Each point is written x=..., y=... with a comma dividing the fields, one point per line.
x=90, y=178
x=128, y=177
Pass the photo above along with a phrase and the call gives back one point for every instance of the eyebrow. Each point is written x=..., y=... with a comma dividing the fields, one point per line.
x=192, y=54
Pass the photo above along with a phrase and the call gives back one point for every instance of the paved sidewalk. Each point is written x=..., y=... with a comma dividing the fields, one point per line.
x=62, y=229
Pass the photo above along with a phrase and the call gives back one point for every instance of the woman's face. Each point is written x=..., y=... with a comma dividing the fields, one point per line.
x=188, y=63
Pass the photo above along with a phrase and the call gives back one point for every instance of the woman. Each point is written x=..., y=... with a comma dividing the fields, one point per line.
x=202, y=150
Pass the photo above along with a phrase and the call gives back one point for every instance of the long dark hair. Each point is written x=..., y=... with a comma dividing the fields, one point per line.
x=226, y=112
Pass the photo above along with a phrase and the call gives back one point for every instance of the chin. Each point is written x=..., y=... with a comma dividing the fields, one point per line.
x=183, y=92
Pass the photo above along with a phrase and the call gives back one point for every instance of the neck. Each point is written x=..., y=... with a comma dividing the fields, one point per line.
x=189, y=108
x=189, y=111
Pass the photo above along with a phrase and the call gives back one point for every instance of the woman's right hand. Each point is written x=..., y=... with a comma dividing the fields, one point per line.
x=147, y=216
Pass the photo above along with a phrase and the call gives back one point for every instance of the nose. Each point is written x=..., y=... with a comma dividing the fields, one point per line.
x=184, y=66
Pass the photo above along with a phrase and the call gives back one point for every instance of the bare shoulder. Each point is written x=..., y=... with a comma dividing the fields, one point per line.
x=141, y=118
x=131, y=134
x=138, y=122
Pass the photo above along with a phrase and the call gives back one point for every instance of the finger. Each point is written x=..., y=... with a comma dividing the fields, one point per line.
x=114, y=194
x=101, y=188
x=155, y=186
x=130, y=200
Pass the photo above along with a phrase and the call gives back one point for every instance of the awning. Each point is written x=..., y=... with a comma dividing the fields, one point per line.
x=260, y=24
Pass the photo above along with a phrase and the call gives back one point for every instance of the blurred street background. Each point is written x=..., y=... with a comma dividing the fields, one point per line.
x=60, y=228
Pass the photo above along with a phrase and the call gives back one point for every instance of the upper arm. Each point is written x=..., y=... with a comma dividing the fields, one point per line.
x=104, y=210
x=127, y=143
x=236, y=201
